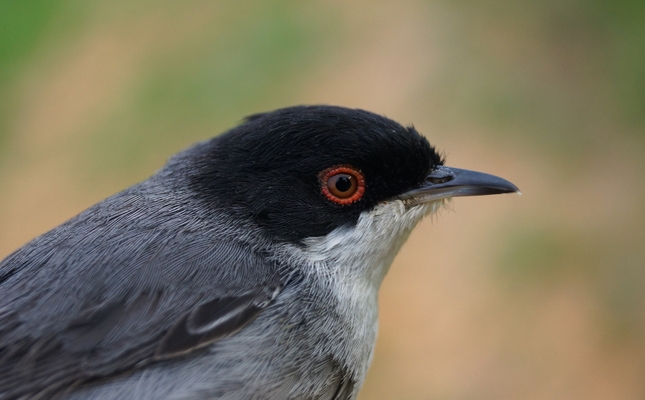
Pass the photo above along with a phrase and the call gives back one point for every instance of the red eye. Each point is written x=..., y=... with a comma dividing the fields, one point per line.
x=343, y=184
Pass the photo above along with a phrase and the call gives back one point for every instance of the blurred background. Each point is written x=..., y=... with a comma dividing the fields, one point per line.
x=504, y=297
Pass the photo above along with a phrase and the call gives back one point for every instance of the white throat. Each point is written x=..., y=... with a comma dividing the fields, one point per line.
x=362, y=254
x=349, y=264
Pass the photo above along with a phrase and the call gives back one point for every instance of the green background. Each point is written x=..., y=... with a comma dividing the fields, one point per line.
x=534, y=297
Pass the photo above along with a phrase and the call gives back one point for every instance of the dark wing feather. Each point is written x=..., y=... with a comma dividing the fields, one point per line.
x=122, y=284
x=341, y=383
x=345, y=389
x=213, y=320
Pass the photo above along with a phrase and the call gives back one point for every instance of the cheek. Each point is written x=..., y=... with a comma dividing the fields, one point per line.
x=305, y=217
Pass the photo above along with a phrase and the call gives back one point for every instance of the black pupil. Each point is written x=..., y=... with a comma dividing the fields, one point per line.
x=344, y=183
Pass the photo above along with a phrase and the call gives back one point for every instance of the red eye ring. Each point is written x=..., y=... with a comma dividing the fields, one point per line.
x=342, y=184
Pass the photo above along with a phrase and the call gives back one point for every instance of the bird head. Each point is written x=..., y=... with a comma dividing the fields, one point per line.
x=302, y=172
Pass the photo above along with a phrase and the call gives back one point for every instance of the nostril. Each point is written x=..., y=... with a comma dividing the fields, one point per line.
x=438, y=179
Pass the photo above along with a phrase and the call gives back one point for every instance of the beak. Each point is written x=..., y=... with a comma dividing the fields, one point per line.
x=444, y=182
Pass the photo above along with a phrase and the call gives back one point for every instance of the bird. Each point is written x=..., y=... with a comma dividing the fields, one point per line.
x=247, y=267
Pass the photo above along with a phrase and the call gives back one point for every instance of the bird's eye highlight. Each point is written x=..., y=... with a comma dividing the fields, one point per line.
x=342, y=184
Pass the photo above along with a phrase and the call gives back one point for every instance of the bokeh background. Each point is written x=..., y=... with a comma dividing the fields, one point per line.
x=504, y=297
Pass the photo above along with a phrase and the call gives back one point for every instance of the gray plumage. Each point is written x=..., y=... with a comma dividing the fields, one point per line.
x=232, y=273
x=71, y=317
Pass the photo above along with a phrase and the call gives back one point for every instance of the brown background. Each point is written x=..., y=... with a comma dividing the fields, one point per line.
x=503, y=297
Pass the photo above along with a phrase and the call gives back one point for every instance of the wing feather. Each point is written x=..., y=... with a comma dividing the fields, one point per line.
x=99, y=296
x=211, y=321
